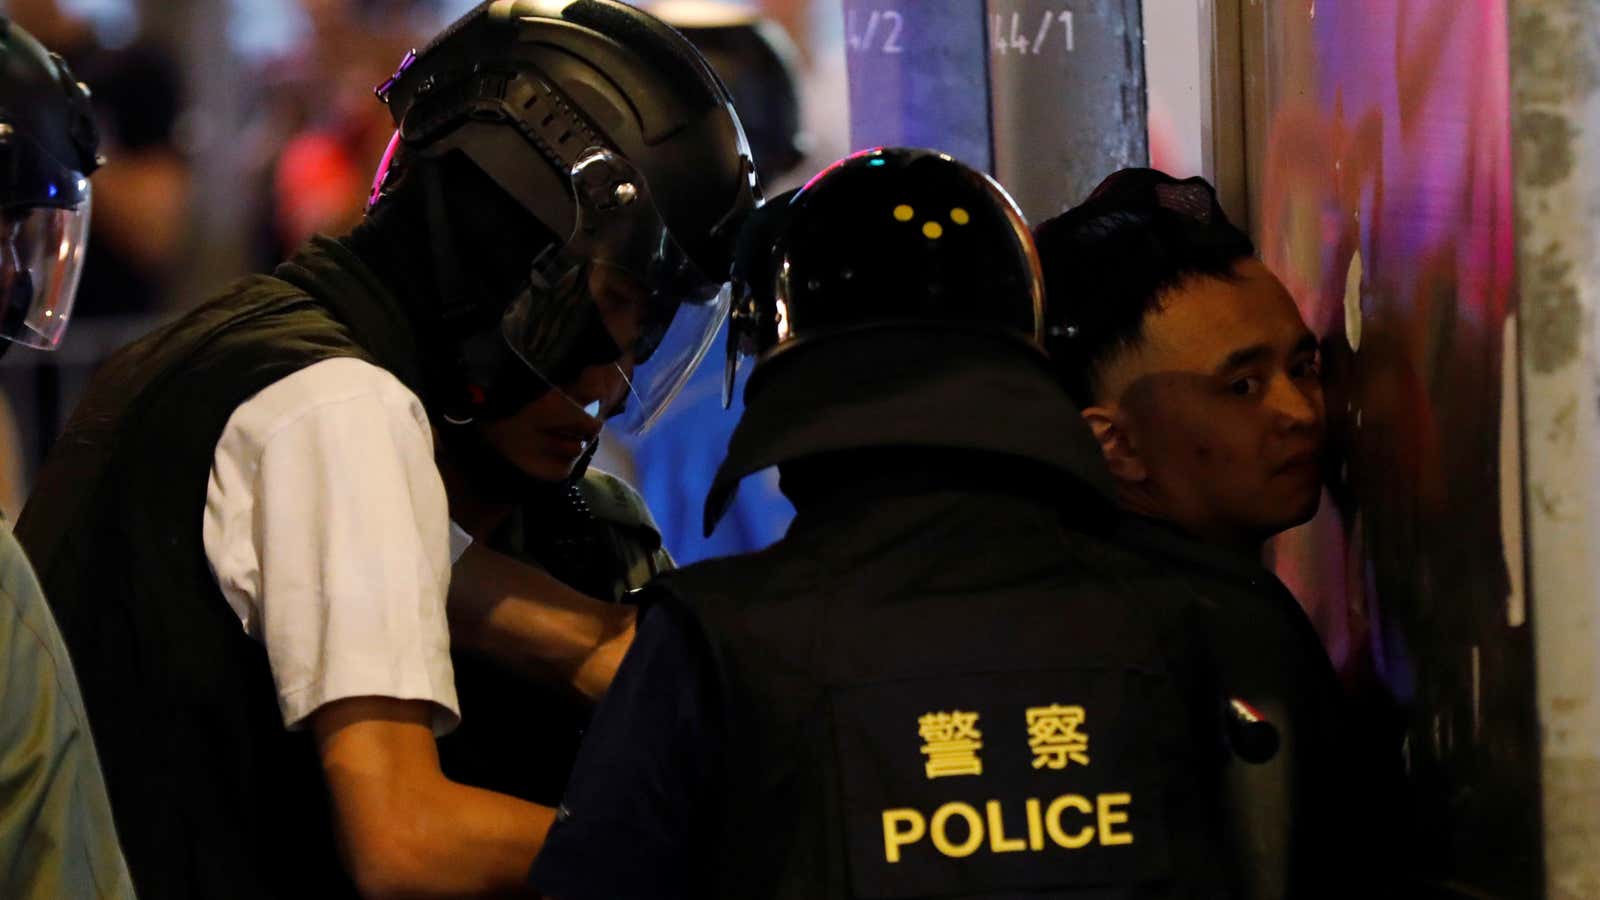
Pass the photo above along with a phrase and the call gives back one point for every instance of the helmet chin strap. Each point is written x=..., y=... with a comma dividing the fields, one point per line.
x=581, y=467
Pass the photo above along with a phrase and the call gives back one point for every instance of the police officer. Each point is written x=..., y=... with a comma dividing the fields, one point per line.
x=941, y=682
x=56, y=833
x=245, y=526
x=592, y=530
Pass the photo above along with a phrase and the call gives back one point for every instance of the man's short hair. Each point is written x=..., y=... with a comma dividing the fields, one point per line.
x=1109, y=262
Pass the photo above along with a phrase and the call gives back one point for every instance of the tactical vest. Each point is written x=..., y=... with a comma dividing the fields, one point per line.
x=936, y=692
x=211, y=795
x=941, y=683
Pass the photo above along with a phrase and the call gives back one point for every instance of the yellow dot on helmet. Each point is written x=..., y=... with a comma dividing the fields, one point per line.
x=959, y=216
x=933, y=230
x=904, y=213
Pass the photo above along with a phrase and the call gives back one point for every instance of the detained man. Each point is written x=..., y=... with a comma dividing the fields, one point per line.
x=1200, y=382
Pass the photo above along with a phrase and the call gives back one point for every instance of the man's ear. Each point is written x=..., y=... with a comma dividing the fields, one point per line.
x=1116, y=444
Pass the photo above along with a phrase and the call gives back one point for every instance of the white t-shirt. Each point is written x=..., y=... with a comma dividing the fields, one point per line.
x=327, y=528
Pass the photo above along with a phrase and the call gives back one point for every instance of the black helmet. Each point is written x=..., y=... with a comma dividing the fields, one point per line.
x=885, y=238
x=48, y=149
x=756, y=59
x=611, y=131
x=892, y=301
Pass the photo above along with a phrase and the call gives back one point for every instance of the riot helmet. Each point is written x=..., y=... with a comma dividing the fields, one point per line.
x=48, y=149
x=890, y=303
x=609, y=129
x=884, y=238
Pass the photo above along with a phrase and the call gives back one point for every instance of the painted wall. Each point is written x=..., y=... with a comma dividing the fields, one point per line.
x=1381, y=185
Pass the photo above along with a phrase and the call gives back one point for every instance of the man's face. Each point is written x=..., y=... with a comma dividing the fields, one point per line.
x=1215, y=420
x=622, y=301
x=547, y=437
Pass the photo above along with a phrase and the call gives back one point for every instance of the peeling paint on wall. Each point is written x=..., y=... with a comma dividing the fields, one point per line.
x=1545, y=146
x=1572, y=791
x=1551, y=308
x=1554, y=58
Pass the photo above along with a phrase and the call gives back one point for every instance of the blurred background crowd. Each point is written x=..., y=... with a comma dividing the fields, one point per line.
x=225, y=154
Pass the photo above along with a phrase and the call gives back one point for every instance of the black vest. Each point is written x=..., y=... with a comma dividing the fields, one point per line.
x=212, y=796
x=941, y=683
x=1319, y=818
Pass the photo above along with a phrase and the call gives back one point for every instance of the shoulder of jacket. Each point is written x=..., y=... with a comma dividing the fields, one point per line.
x=614, y=501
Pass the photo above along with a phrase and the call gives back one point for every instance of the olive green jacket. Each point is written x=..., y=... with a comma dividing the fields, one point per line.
x=637, y=539
x=56, y=834
x=519, y=737
x=632, y=540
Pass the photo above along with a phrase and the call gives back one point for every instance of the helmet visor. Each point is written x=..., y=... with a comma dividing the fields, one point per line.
x=621, y=296
x=42, y=249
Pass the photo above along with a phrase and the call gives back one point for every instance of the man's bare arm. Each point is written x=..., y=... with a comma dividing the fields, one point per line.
x=534, y=623
x=404, y=829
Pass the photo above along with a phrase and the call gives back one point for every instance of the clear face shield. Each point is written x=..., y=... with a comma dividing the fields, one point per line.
x=617, y=319
x=42, y=249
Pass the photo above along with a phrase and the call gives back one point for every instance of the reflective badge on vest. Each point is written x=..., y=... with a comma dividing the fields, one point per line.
x=1004, y=781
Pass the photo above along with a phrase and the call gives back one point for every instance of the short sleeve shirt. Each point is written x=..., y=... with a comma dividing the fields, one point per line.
x=327, y=528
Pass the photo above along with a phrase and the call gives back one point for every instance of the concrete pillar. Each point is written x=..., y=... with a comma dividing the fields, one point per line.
x=1049, y=98
x=1555, y=78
